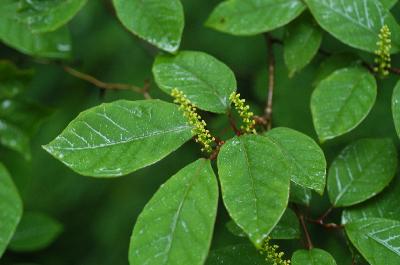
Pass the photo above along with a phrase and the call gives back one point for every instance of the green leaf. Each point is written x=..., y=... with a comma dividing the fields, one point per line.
x=341, y=101
x=313, y=256
x=388, y=3
x=10, y=208
x=301, y=43
x=236, y=255
x=206, y=81
x=54, y=44
x=333, y=63
x=299, y=194
x=159, y=22
x=385, y=205
x=252, y=17
x=43, y=15
x=377, y=239
x=36, y=231
x=305, y=156
x=13, y=81
x=361, y=170
x=287, y=228
x=254, y=176
x=14, y=138
x=118, y=138
x=176, y=225
x=354, y=22
x=18, y=121
x=396, y=107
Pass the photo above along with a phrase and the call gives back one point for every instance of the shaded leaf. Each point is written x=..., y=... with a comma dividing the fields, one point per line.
x=388, y=3
x=301, y=43
x=305, y=156
x=118, y=138
x=299, y=194
x=43, y=15
x=341, y=101
x=236, y=255
x=287, y=228
x=10, y=208
x=206, y=81
x=355, y=23
x=253, y=16
x=18, y=121
x=254, y=176
x=176, y=225
x=361, y=170
x=13, y=81
x=377, y=239
x=159, y=22
x=36, y=231
x=16, y=33
x=313, y=256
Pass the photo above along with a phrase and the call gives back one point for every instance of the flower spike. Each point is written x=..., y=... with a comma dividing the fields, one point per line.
x=203, y=135
x=244, y=113
x=272, y=253
x=382, y=61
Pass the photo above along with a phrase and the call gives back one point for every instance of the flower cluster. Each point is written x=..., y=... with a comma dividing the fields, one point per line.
x=273, y=254
x=244, y=113
x=203, y=135
x=382, y=61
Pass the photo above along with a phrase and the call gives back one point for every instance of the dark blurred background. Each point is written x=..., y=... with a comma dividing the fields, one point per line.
x=98, y=214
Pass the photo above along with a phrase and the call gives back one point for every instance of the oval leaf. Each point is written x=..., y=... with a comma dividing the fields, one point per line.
x=254, y=176
x=341, y=101
x=396, y=107
x=377, y=239
x=385, y=205
x=120, y=137
x=159, y=22
x=206, y=81
x=252, y=17
x=302, y=41
x=305, y=156
x=313, y=256
x=354, y=22
x=176, y=225
x=361, y=170
x=10, y=208
x=36, y=231
x=44, y=15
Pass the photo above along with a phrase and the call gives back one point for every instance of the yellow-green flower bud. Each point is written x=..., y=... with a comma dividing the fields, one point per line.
x=382, y=61
x=271, y=251
x=199, y=130
x=244, y=113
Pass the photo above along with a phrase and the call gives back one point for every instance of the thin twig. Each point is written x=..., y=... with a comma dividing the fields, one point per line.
x=325, y=214
x=108, y=86
x=271, y=81
x=300, y=215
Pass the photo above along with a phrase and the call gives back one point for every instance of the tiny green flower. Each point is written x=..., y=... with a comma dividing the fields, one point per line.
x=272, y=253
x=203, y=135
x=382, y=61
x=244, y=113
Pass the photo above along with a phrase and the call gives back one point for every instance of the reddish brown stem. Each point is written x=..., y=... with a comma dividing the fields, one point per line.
x=232, y=123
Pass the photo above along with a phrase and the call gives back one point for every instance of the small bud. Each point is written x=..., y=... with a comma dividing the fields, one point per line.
x=382, y=61
x=244, y=113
